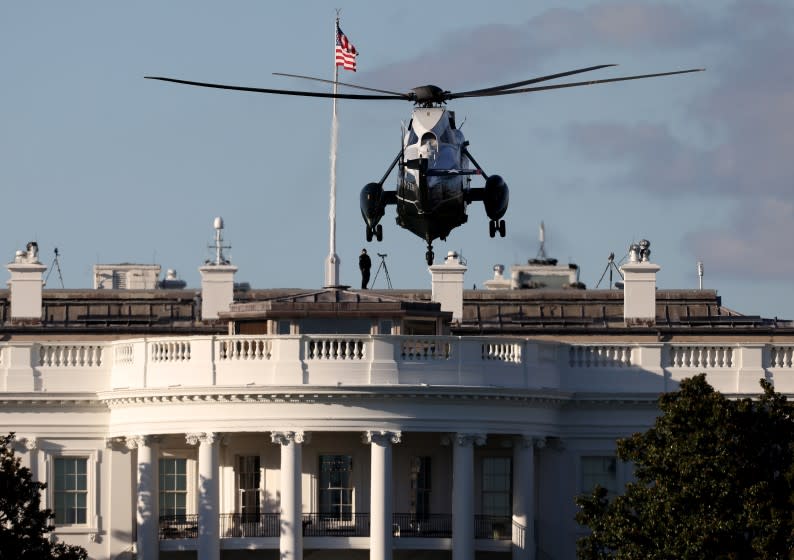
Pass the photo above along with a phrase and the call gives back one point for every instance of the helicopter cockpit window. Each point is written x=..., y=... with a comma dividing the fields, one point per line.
x=429, y=147
x=448, y=136
x=412, y=138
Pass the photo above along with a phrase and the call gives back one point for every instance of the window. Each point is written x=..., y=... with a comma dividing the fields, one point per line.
x=336, y=486
x=420, y=487
x=119, y=280
x=249, y=478
x=497, y=483
x=601, y=470
x=173, y=487
x=70, y=490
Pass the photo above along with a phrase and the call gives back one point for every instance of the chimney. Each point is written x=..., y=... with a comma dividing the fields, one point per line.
x=639, y=286
x=26, y=284
x=447, y=281
x=217, y=289
x=217, y=279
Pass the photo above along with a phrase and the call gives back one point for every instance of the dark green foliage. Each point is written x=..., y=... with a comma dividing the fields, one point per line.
x=23, y=524
x=713, y=480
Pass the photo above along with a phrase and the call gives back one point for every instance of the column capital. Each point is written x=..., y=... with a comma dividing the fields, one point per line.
x=203, y=437
x=287, y=437
x=526, y=441
x=464, y=439
x=23, y=444
x=381, y=437
x=31, y=443
x=137, y=441
x=116, y=444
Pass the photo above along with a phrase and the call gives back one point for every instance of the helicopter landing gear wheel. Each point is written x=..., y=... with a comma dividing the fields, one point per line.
x=369, y=234
x=502, y=229
x=492, y=228
x=379, y=232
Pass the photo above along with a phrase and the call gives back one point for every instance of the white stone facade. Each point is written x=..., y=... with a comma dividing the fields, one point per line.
x=295, y=443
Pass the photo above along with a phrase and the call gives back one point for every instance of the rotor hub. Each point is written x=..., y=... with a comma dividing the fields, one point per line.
x=429, y=95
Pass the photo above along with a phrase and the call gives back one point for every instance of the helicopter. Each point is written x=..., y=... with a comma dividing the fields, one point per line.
x=434, y=164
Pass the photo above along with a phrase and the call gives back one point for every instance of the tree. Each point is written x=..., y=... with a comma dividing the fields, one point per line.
x=23, y=524
x=714, y=479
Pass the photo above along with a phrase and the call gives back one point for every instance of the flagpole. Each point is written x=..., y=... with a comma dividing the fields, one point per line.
x=332, y=263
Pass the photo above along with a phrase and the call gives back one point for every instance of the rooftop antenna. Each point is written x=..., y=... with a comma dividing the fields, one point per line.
x=609, y=268
x=385, y=268
x=542, y=238
x=55, y=263
x=700, y=275
x=219, y=246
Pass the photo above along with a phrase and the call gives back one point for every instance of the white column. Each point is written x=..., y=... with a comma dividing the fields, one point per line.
x=147, y=541
x=32, y=446
x=209, y=544
x=291, y=541
x=463, y=495
x=380, y=522
x=524, y=497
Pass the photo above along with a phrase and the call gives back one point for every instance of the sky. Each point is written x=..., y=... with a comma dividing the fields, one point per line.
x=108, y=167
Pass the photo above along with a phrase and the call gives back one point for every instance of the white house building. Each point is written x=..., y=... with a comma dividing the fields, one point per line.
x=231, y=424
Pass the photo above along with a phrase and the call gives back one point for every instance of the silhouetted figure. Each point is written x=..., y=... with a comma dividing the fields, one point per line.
x=364, y=265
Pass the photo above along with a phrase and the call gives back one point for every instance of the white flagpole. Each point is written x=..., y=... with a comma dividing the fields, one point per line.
x=332, y=264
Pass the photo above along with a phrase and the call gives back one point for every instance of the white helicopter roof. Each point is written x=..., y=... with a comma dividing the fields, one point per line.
x=426, y=118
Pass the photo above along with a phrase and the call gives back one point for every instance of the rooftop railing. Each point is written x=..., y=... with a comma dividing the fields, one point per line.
x=259, y=525
x=358, y=360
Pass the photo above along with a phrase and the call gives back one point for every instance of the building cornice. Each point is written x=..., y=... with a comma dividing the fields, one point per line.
x=53, y=401
x=125, y=398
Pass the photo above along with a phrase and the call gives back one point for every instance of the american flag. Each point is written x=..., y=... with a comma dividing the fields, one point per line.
x=345, y=51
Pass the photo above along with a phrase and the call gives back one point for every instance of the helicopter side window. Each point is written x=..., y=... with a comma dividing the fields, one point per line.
x=412, y=138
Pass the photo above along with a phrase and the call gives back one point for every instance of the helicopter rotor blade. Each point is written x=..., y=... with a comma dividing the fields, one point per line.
x=576, y=84
x=402, y=97
x=474, y=92
x=340, y=83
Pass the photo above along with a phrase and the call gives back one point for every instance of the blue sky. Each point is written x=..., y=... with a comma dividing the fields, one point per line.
x=109, y=167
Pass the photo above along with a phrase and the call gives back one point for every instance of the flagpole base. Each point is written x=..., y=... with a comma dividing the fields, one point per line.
x=332, y=271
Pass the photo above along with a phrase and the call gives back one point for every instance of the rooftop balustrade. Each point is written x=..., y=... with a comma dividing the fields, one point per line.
x=377, y=360
x=248, y=525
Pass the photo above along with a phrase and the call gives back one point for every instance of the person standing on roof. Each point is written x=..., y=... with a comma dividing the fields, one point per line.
x=364, y=265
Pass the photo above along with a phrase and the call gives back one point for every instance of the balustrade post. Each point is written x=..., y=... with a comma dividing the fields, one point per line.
x=20, y=373
x=288, y=358
x=382, y=363
x=749, y=363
